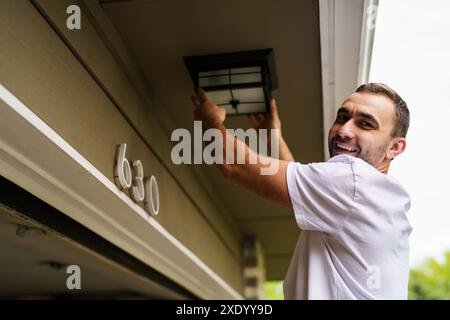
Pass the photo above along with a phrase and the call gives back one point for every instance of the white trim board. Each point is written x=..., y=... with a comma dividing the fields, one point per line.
x=367, y=38
x=326, y=20
x=346, y=49
x=36, y=158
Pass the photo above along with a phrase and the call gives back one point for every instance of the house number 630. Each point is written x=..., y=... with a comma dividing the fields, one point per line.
x=141, y=190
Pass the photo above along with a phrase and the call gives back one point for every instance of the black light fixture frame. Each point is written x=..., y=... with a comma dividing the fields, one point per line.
x=263, y=58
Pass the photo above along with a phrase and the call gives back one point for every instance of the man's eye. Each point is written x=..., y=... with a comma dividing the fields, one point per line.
x=340, y=118
x=366, y=124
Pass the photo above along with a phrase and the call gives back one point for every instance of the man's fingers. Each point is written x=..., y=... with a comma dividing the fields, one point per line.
x=195, y=101
x=200, y=99
x=222, y=114
x=201, y=94
x=274, y=109
x=205, y=109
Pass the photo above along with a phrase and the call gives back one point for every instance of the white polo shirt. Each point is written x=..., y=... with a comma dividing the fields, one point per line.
x=354, y=239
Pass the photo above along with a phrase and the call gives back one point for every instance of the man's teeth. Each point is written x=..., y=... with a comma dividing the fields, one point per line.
x=346, y=148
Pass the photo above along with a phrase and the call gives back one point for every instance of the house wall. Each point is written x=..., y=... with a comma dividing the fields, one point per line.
x=75, y=83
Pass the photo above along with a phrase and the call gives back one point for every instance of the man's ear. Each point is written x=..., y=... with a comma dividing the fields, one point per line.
x=398, y=145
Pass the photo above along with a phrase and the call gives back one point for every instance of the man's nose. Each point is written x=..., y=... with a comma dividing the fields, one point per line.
x=347, y=130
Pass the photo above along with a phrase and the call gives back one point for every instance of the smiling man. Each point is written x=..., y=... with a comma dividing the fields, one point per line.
x=354, y=240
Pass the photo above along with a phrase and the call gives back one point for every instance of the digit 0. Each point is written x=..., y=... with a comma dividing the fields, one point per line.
x=151, y=202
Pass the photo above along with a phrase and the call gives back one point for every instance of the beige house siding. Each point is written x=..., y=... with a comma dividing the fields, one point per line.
x=95, y=115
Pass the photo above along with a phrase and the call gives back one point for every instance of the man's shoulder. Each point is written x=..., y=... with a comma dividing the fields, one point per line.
x=326, y=175
x=345, y=158
x=369, y=178
x=345, y=168
x=358, y=165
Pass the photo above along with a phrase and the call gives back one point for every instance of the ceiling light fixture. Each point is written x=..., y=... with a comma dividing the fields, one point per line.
x=240, y=82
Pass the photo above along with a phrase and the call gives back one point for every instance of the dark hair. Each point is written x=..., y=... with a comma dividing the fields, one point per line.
x=401, y=123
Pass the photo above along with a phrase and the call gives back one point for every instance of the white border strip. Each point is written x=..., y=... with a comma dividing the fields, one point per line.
x=327, y=38
x=367, y=38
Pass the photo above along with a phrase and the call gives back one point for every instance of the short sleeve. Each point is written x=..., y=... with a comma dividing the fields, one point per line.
x=321, y=194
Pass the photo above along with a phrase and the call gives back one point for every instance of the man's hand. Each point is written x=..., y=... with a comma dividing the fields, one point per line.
x=206, y=111
x=269, y=120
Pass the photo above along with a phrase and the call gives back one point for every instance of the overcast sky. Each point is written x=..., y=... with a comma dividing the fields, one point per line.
x=412, y=55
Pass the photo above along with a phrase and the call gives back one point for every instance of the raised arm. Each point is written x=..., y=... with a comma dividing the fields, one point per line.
x=249, y=175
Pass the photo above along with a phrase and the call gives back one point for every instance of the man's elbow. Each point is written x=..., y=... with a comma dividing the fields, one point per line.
x=227, y=171
x=238, y=173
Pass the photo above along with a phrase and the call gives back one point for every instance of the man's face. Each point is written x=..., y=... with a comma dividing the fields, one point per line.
x=363, y=128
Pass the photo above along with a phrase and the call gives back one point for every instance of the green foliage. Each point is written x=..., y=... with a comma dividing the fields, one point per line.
x=274, y=290
x=431, y=280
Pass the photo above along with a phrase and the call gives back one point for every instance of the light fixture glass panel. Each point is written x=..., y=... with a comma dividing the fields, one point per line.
x=246, y=70
x=219, y=97
x=249, y=95
x=252, y=108
x=213, y=73
x=229, y=109
x=246, y=78
x=213, y=81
